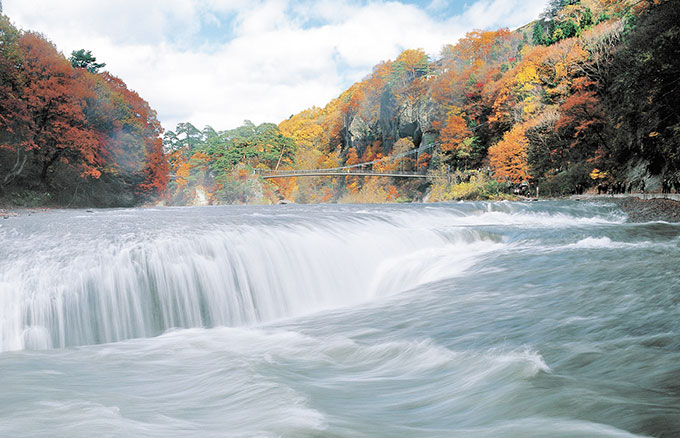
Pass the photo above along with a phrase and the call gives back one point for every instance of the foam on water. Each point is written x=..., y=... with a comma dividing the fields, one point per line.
x=604, y=242
x=87, y=289
x=250, y=382
x=545, y=319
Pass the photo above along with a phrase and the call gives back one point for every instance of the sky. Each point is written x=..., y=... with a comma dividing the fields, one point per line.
x=220, y=62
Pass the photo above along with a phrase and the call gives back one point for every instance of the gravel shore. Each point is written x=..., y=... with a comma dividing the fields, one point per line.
x=6, y=213
x=648, y=210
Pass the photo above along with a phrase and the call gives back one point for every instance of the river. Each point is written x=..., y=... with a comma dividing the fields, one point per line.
x=540, y=319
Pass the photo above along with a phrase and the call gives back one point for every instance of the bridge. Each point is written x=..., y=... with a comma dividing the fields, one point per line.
x=267, y=174
x=359, y=169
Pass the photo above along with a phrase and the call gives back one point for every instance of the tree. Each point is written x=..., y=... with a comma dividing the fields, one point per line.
x=84, y=59
x=135, y=139
x=56, y=96
x=455, y=131
x=408, y=73
x=508, y=157
x=409, y=65
x=538, y=35
x=353, y=184
x=15, y=119
x=583, y=119
x=586, y=19
x=643, y=94
x=62, y=125
x=190, y=137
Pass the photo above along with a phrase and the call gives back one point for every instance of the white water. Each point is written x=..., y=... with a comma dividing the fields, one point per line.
x=454, y=320
x=85, y=289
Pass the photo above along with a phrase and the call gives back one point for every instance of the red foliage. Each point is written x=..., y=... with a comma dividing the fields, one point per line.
x=56, y=95
x=583, y=118
x=59, y=119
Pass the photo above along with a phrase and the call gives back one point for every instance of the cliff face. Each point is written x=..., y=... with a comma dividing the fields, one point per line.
x=405, y=119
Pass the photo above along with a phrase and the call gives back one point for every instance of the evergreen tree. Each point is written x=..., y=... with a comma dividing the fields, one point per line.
x=84, y=59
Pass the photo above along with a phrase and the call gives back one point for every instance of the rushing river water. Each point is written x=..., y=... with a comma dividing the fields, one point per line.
x=545, y=319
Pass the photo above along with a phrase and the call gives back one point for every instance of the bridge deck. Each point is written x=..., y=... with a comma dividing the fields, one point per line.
x=321, y=173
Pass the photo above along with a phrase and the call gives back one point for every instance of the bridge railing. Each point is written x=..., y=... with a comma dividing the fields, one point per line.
x=364, y=167
x=335, y=172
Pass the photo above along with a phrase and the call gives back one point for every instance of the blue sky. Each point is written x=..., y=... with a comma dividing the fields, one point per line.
x=219, y=62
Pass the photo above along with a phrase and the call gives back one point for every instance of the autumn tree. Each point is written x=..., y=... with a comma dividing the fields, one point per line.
x=56, y=96
x=64, y=127
x=583, y=119
x=410, y=65
x=400, y=149
x=353, y=183
x=508, y=157
x=15, y=135
x=134, y=139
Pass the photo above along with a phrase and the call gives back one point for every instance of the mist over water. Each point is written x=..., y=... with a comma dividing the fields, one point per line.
x=545, y=319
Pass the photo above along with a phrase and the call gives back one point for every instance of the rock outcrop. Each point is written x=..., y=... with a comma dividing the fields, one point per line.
x=394, y=121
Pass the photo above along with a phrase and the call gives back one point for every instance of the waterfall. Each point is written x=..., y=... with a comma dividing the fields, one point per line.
x=68, y=278
x=87, y=288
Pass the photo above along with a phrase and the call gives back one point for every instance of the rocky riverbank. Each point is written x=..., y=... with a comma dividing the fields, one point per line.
x=647, y=210
x=6, y=213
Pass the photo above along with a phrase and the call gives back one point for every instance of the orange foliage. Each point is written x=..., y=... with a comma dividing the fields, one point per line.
x=182, y=174
x=286, y=187
x=353, y=183
x=477, y=45
x=424, y=161
x=392, y=193
x=518, y=94
x=352, y=157
x=508, y=157
x=304, y=128
x=373, y=152
x=409, y=74
x=455, y=131
x=332, y=123
x=328, y=194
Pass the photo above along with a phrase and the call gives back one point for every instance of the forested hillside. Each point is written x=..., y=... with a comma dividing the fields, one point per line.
x=71, y=135
x=586, y=95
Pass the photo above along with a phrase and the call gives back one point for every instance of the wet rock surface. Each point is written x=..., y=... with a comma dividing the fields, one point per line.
x=649, y=210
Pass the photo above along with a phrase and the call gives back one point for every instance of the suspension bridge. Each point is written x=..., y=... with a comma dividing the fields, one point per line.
x=359, y=169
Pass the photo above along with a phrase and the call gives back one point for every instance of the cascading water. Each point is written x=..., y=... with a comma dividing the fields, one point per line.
x=542, y=319
x=83, y=288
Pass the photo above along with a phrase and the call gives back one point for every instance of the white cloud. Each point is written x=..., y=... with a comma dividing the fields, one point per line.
x=273, y=59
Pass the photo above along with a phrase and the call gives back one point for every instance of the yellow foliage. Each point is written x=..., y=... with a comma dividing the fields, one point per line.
x=527, y=77
x=598, y=174
x=412, y=58
x=373, y=191
x=479, y=187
